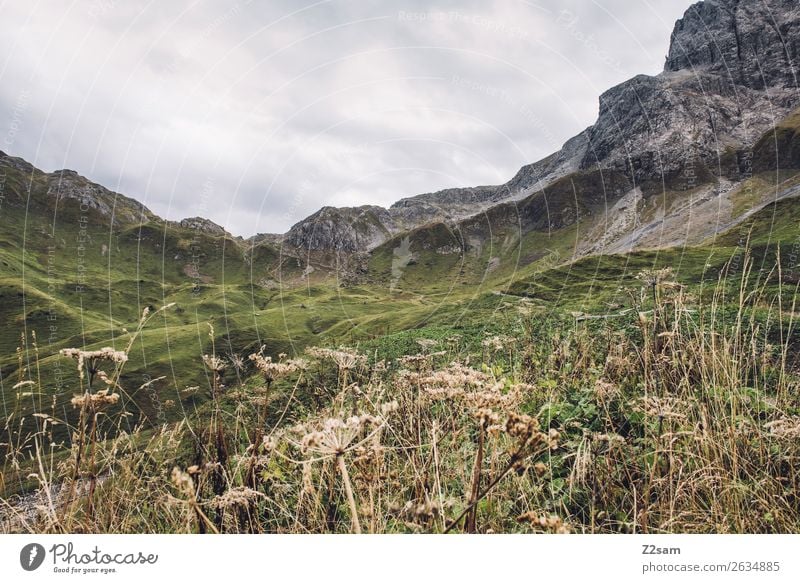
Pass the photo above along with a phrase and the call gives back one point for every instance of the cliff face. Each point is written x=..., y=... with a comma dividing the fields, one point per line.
x=652, y=128
x=729, y=77
x=67, y=184
x=751, y=43
x=342, y=229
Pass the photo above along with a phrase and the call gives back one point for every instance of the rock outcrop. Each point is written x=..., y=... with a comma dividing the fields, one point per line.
x=203, y=226
x=729, y=77
x=752, y=43
x=117, y=208
x=342, y=229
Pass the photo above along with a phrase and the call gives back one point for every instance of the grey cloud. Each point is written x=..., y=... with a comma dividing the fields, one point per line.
x=288, y=106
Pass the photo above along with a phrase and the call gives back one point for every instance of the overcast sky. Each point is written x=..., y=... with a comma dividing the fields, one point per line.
x=256, y=113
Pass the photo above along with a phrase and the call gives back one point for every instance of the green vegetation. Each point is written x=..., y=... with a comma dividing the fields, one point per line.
x=677, y=414
x=490, y=382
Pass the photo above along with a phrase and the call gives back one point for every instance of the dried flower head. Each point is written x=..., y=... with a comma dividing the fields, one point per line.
x=214, y=363
x=338, y=435
x=183, y=481
x=552, y=524
x=497, y=343
x=90, y=359
x=96, y=400
x=786, y=428
x=275, y=370
x=344, y=358
x=238, y=497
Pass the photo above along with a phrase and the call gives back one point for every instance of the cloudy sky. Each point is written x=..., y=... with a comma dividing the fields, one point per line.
x=256, y=113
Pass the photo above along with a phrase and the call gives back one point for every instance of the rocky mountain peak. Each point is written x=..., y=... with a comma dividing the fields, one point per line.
x=752, y=43
x=17, y=163
x=349, y=229
x=728, y=78
x=69, y=185
x=203, y=226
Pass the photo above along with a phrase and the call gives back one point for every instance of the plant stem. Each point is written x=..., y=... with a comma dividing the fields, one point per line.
x=348, y=488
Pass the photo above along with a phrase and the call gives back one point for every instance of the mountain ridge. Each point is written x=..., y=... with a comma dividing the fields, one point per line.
x=727, y=80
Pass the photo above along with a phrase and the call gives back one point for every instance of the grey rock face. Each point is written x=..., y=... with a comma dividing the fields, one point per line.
x=342, y=229
x=17, y=164
x=203, y=226
x=68, y=184
x=539, y=174
x=728, y=78
x=460, y=203
x=653, y=127
x=753, y=43
x=268, y=238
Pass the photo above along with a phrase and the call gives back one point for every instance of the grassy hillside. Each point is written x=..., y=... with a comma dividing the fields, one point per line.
x=669, y=376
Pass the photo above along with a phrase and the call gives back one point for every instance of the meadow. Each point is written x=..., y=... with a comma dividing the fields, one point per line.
x=650, y=392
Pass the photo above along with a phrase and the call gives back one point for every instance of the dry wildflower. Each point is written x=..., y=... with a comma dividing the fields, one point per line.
x=89, y=360
x=337, y=435
x=106, y=353
x=786, y=428
x=318, y=352
x=190, y=390
x=456, y=376
x=344, y=358
x=276, y=370
x=663, y=407
x=609, y=438
x=308, y=479
x=489, y=419
x=655, y=277
x=605, y=391
x=106, y=380
x=552, y=524
x=269, y=443
x=418, y=360
x=238, y=497
x=473, y=389
x=237, y=362
x=183, y=481
x=214, y=363
x=521, y=426
x=391, y=407
x=96, y=400
x=347, y=359
x=426, y=344
x=497, y=343
x=421, y=511
x=582, y=464
x=552, y=439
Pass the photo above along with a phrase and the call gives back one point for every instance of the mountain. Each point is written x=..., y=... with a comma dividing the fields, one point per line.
x=701, y=124
x=671, y=159
x=680, y=168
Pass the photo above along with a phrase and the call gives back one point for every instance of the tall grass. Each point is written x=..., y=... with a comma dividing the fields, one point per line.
x=679, y=414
